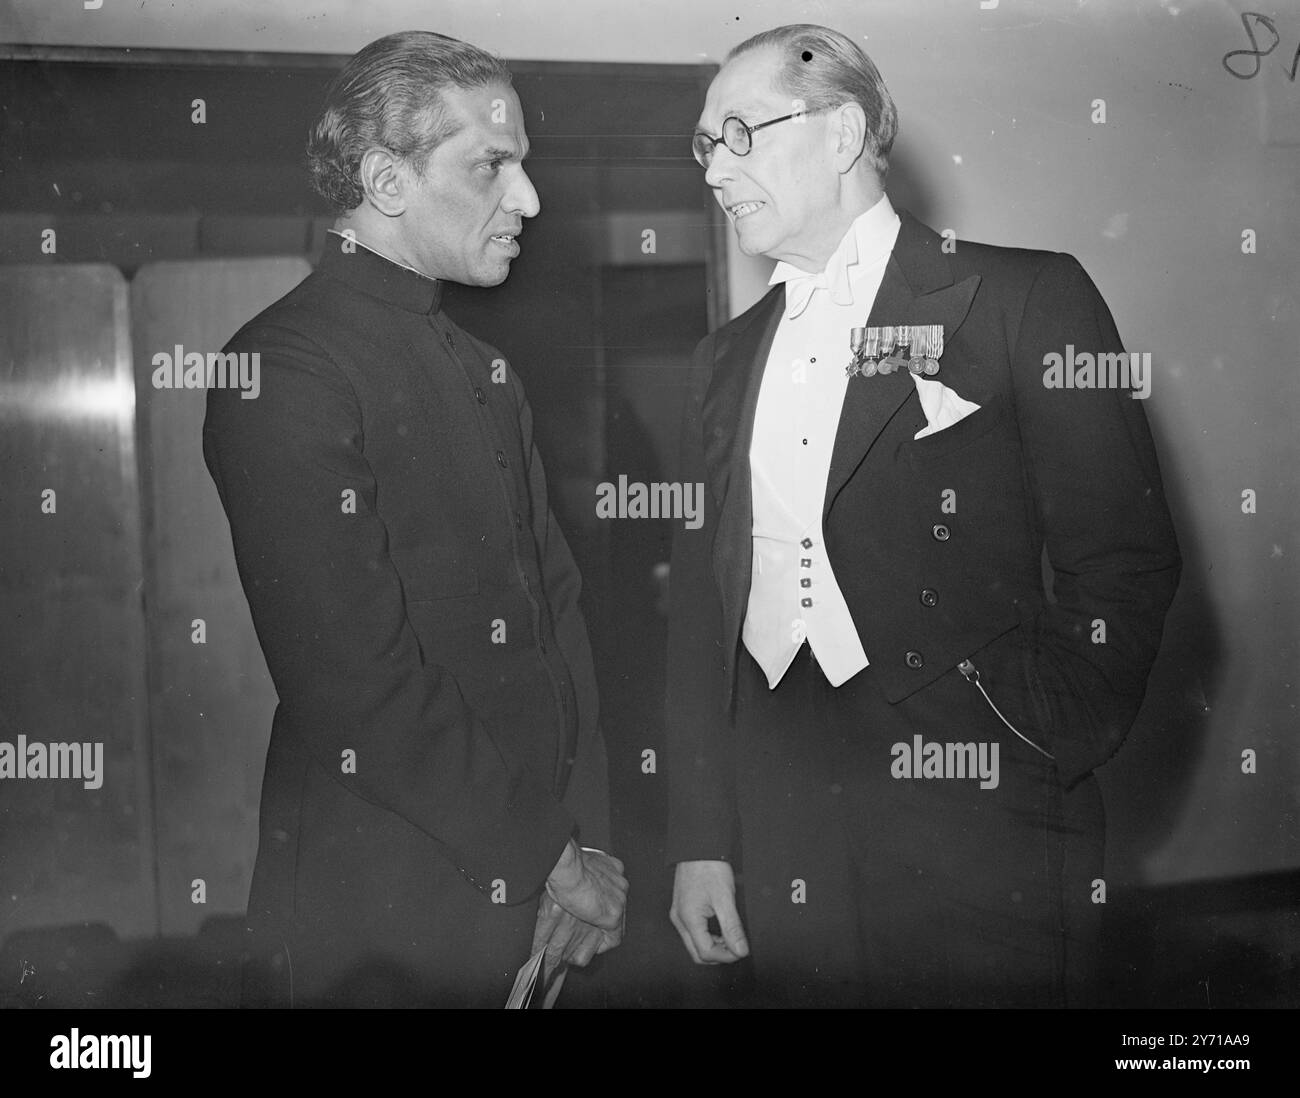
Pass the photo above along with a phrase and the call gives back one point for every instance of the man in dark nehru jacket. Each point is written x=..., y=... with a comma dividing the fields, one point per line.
x=877, y=717
x=435, y=797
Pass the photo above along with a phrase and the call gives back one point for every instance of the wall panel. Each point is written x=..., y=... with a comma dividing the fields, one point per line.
x=210, y=704
x=71, y=622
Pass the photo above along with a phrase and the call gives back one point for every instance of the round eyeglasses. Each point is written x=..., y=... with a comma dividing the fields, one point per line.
x=736, y=135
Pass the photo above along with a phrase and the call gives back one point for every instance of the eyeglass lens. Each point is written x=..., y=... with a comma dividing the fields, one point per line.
x=735, y=135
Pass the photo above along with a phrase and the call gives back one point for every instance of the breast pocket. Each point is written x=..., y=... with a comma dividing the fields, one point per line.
x=961, y=434
x=437, y=572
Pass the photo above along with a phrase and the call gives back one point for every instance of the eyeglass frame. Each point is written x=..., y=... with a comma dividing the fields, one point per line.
x=749, y=130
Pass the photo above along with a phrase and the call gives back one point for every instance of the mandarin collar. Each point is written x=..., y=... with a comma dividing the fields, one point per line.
x=375, y=274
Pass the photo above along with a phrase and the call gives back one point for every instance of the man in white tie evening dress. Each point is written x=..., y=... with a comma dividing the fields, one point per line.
x=881, y=728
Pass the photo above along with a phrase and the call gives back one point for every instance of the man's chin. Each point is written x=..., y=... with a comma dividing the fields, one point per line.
x=491, y=276
x=750, y=245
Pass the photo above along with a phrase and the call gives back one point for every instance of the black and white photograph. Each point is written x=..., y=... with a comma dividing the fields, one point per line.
x=753, y=507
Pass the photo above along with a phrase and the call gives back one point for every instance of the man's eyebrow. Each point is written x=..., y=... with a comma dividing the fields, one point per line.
x=492, y=153
x=745, y=112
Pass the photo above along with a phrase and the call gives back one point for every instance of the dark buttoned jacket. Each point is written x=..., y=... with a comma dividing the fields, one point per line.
x=436, y=740
x=937, y=543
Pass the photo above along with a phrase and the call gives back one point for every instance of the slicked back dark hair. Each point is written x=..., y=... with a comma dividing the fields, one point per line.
x=825, y=68
x=390, y=95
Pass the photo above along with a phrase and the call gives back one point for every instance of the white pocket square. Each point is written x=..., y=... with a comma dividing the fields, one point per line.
x=941, y=405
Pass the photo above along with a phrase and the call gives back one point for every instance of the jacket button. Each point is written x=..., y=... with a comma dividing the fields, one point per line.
x=542, y=644
x=501, y=459
x=519, y=521
x=806, y=543
x=929, y=597
x=940, y=532
x=450, y=341
x=914, y=661
x=478, y=393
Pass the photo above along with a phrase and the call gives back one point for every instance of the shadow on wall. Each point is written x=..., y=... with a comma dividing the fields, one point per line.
x=1149, y=784
x=908, y=191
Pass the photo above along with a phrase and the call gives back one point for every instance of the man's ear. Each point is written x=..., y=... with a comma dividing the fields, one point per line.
x=848, y=126
x=384, y=182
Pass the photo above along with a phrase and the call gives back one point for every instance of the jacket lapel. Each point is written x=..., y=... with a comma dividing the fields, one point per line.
x=732, y=398
x=728, y=421
x=917, y=289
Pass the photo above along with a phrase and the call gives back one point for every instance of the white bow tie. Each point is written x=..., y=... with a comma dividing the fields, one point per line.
x=801, y=285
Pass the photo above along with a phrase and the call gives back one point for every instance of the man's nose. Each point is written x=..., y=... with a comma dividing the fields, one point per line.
x=721, y=167
x=522, y=197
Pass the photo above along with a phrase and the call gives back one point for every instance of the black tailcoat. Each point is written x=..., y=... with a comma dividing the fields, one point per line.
x=937, y=546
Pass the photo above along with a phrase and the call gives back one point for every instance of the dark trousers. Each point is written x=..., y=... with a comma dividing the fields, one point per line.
x=862, y=888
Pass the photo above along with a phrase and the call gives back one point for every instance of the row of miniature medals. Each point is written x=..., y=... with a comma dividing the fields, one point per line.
x=889, y=348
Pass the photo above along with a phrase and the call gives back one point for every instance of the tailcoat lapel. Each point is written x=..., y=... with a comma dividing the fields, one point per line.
x=728, y=422
x=917, y=289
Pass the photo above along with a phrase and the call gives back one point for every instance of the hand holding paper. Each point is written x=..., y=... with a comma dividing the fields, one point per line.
x=566, y=939
x=580, y=914
x=590, y=886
